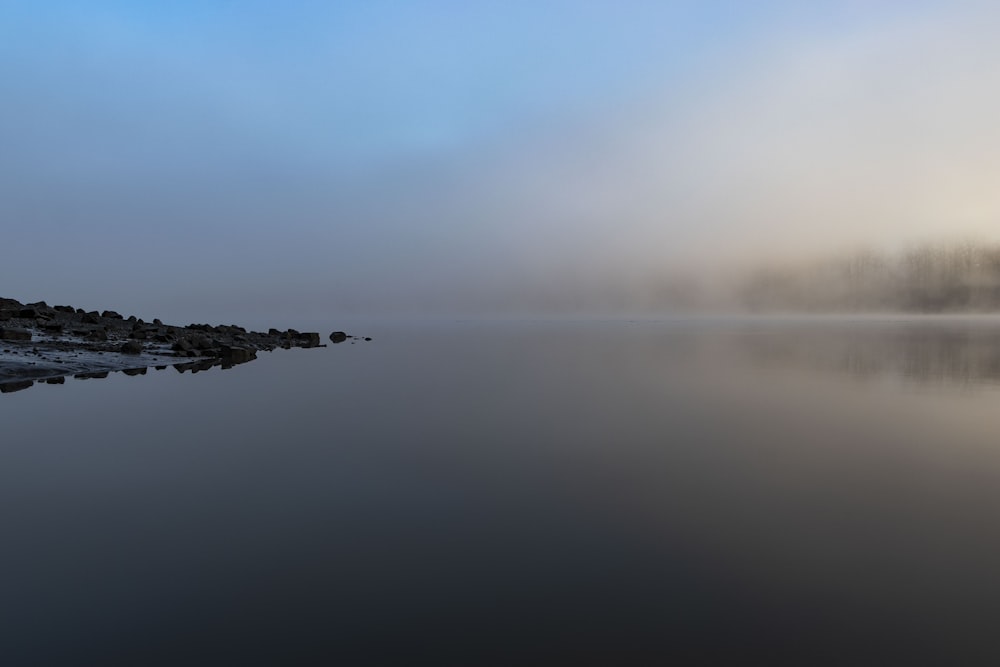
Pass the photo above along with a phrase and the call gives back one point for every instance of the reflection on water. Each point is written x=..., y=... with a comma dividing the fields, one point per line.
x=517, y=494
x=10, y=386
x=939, y=352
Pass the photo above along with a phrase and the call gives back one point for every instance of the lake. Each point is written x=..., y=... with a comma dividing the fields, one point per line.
x=816, y=491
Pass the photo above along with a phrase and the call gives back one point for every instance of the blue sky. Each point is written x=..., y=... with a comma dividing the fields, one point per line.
x=262, y=157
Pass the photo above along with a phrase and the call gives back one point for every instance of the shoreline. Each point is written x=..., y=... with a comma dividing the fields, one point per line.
x=46, y=344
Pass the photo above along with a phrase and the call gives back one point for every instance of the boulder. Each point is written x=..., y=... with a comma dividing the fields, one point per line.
x=111, y=314
x=338, y=336
x=310, y=339
x=131, y=347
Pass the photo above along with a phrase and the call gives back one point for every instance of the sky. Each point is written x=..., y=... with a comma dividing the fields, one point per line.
x=210, y=160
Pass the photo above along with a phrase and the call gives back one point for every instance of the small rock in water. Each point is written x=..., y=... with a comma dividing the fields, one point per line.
x=338, y=336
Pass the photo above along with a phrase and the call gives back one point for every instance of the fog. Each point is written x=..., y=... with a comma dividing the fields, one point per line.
x=218, y=161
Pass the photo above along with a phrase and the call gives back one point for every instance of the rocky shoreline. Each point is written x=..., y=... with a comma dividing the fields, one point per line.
x=42, y=343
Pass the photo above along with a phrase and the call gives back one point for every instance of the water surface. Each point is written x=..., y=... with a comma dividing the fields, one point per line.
x=809, y=491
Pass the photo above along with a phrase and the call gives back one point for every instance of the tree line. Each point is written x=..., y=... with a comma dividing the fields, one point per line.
x=928, y=278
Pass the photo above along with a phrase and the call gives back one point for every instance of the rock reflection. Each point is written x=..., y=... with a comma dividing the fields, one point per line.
x=11, y=386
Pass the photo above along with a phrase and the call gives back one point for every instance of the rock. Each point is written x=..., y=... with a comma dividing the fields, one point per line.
x=310, y=339
x=131, y=347
x=7, y=314
x=11, y=387
x=28, y=313
x=93, y=317
x=338, y=337
x=10, y=304
x=98, y=334
x=368, y=338
x=15, y=334
x=201, y=342
x=91, y=376
x=111, y=315
x=236, y=355
x=182, y=345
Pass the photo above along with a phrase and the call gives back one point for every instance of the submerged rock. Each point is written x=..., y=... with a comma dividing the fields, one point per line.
x=338, y=336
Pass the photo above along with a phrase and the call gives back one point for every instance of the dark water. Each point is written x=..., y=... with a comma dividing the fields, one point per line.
x=819, y=492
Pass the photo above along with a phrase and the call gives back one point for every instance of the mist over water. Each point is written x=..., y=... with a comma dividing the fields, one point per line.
x=234, y=162
x=802, y=490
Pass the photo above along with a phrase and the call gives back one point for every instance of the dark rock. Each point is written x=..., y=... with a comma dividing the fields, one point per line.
x=11, y=387
x=111, y=315
x=201, y=342
x=53, y=327
x=368, y=338
x=15, y=334
x=90, y=376
x=310, y=339
x=236, y=355
x=338, y=337
x=7, y=314
x=134, y=371
x=58, y=380
x=28, y=313
x=91, y=318
x=131, y=347
x=98, y=334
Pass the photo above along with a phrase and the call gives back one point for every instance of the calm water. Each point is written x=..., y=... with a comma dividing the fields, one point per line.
x=807, y=492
